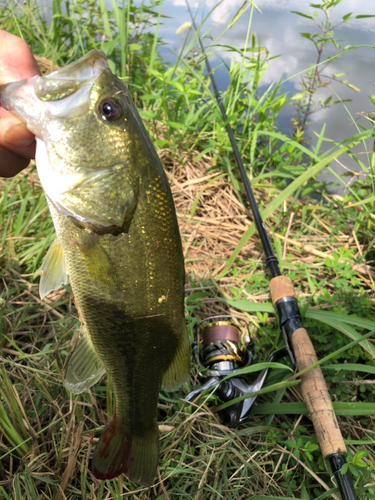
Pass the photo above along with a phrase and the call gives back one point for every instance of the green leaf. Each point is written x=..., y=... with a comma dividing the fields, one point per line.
x=306, y=35
x=291, y=443
x=327, y=494
x=296, y=452
x=147, y=114
x=344, y=469
x=257, y=368
x=176, y=125
x=44, y=479
x=178, y=86
x=304, y=493
x=339, y=321
x=339, y=324
x=109, y=47
x=353, y=87
x=154, y=72
x=134, y=46
x=269, y=388
x=353, y=470
x=301, y=14
x=112, y=66
x=311, y=446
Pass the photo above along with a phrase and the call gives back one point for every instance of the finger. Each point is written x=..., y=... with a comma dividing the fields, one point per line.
x=17, y=143
x=16, y=59
x=16, y=137
x=11, y=163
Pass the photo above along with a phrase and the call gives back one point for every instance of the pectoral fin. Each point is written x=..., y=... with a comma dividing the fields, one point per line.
x=178, y=371
x=53, y=270
x=83, y=368
x=98, y=265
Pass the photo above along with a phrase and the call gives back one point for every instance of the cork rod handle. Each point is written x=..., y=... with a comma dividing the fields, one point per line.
x=313, y=386
x=316, y=396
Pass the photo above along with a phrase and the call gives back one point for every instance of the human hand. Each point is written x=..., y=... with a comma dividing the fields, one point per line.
x=17, y=143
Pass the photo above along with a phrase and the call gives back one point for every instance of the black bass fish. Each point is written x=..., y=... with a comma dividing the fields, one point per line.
x=119, y=243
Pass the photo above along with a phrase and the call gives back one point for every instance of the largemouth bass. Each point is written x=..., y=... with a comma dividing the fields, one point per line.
x=119, y=243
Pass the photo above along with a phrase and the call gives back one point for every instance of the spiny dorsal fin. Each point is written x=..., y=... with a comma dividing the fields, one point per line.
x=53, y=270
x=84, y=368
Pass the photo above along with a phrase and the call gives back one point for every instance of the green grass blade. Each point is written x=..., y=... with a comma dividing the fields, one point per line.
x=355, y=367
x=341, y=408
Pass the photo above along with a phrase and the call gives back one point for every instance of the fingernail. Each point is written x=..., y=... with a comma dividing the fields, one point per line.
x=18, y=136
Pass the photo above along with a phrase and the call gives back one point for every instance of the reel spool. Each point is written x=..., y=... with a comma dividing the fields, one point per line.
x=222, y=347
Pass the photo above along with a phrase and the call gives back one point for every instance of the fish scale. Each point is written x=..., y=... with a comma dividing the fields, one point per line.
x=118, y=241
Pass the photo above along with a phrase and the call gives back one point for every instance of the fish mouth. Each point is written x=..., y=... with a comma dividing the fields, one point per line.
x=65, y=93
x=66, y=81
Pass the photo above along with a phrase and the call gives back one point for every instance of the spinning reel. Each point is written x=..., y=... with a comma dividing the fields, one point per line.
x=223, y=352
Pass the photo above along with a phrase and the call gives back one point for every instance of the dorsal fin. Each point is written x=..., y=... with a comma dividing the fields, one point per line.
x=83, y=368
x=53, y=270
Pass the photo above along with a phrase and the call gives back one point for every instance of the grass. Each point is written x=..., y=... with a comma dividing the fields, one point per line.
x=325, y=246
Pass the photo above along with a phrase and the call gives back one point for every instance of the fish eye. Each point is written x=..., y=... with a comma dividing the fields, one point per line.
x=110, y=109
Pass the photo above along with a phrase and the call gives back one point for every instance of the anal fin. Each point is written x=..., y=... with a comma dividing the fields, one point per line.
x=53, y=270
x=179, y=370
x=84, y=368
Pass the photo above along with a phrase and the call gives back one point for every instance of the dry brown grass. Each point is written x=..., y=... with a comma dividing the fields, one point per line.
x=212, y=220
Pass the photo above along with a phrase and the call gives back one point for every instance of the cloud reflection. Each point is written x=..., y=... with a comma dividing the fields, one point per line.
x=226, y=8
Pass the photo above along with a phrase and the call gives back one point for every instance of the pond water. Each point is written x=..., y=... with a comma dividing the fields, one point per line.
x=278, y=29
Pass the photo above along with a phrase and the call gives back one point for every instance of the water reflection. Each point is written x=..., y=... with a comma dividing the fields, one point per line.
x=278, y=30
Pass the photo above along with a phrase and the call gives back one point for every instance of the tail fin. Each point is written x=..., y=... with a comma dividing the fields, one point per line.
x=119, y=452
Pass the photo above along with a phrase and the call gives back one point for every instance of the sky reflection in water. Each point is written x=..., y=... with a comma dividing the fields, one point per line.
x=278, y=30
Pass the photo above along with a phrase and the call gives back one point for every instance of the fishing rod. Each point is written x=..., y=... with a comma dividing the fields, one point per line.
x=219, y=337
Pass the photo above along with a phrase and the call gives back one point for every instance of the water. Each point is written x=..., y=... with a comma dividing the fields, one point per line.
x=279, y=31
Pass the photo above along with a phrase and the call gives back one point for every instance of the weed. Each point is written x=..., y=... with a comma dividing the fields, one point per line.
x=316, y=78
